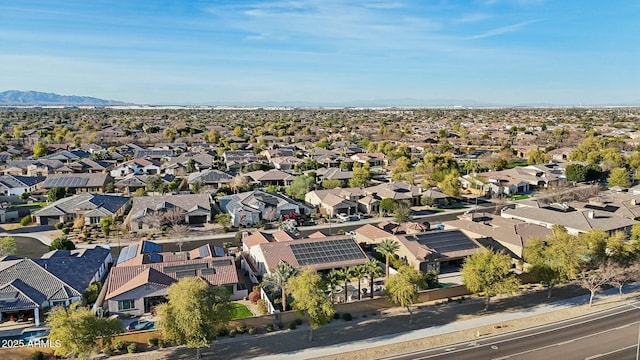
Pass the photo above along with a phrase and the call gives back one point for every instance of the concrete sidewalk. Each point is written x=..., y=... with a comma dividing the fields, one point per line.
x=481, y=321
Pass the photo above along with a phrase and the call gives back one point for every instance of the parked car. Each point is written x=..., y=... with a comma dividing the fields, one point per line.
x=140, y=325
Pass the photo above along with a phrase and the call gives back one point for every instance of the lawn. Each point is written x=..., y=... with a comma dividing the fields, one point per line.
x=241, y=311
x=519, y=197
x=36, y=204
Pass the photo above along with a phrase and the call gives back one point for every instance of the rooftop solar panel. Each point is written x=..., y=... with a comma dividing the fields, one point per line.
x=178, y=268
x=150, y=247
x=209, y=271
x=225, y=262
x=203, y=251
x=185, y=273
x=326, y=251
x=155, y=258
x=128, y=253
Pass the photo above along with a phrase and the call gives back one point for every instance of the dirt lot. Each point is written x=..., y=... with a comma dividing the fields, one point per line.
x=396, y=321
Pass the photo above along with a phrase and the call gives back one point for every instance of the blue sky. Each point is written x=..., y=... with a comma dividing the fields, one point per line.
x=324, y=51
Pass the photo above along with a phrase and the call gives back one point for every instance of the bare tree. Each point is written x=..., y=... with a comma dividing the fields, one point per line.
x=621, y=274
x=238, y=182
x=498, y=201
x=180, y=232
x=154, y=219
x=594, y=280
x=174, y=216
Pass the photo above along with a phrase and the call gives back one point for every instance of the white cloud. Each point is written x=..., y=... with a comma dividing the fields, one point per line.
x=502, y=30
x=472, y=18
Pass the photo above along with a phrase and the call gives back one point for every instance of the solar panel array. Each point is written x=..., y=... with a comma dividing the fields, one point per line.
x=185, y=267
x=148, y=247
x=225, y=262
x=155, y=258
x=185, y=273
x=203, y=251
x=209, y=271
x=128, y=253
x=67, y=181
x=447, y=241
x=326, y=251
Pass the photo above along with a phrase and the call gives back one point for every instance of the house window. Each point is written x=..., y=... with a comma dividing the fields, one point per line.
x=140, y=225
x=94, y=220
x=126, y=304
x=58, y=303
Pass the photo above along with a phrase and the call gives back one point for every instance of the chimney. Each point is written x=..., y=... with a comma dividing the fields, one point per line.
x=590, y=214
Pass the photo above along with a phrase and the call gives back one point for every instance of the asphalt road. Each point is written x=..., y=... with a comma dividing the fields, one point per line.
x=606, y=335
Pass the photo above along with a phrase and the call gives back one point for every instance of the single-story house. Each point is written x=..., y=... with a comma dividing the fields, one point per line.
x=91, y=207
x=196, y=207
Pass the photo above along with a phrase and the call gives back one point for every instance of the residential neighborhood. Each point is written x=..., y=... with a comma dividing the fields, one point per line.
x=245, y=208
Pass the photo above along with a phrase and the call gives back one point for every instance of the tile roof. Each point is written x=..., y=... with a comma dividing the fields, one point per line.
x=12, y=298
x=187, y=202
x=85, y=201
x=439, y=245
x=75, y=180
x=76, y=267
x=579, y=220
x=125, y=278
x=275, y=252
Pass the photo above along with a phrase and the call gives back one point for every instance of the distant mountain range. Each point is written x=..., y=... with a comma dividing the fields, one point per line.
x=23, y=98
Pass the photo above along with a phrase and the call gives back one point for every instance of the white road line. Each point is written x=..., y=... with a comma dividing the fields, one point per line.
x=611, y=352
x=562, y=343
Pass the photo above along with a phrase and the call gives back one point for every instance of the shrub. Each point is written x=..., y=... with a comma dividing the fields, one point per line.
x=223, y=332
x=232, y=333
x=336, y=315
x=58, y=226
x=25, y=220
x=252, y=331
x=241, y=328
x=119, y=345
x=298, y=321
x=153, y=341
x=107, y=350
x=254, y=295
x=347, y=317
x=65, y=231
x=38, y=355
x=161, y=344
x=269, y=328
x=132, y=348
x=293, y=326
x=262, y=306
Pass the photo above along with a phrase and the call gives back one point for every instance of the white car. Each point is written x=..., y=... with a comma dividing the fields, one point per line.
x=342, y=217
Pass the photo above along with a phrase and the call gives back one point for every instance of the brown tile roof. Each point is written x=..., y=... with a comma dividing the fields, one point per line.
x=126, y=278
x=256, y=238
x=275, y=252
x=372, y=232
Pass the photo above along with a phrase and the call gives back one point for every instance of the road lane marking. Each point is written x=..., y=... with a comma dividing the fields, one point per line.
x=611, y=352
x=559, y=344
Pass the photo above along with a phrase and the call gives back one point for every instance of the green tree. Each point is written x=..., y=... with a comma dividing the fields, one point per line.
x=56, y=193
x=300, y=186
x=331, y=280
x=92, y=291
x=140, y=192
x=8, y=246
x=75, y=329
x=223, y=219
x=537, y=156
x=489, y=273
x=62, y=244
x=360, y=175
x=388, y=205
x=213, y=136
x=373, y=271
x=105, y=224
x=39, y=149
x=402, y=288
x=279, y=278
x=555, y=260
x=576, y=172
x=155, y=184
x=196, y=186
x=388, y=247
x=345, y=274
x=402, y=214
x=331, y=183
x=195, y=313
x=238, y=132
x=359, y=272
x=190, y=165
x=450, y=185
x=310, y=299
x=170, y=133
x=619, y=177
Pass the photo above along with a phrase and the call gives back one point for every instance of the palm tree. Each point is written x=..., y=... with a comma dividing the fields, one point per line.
x=279, y=278
x=388, y=247
x=359, y=272
x=346, y=274
x=374, y=271
x=332, y=278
